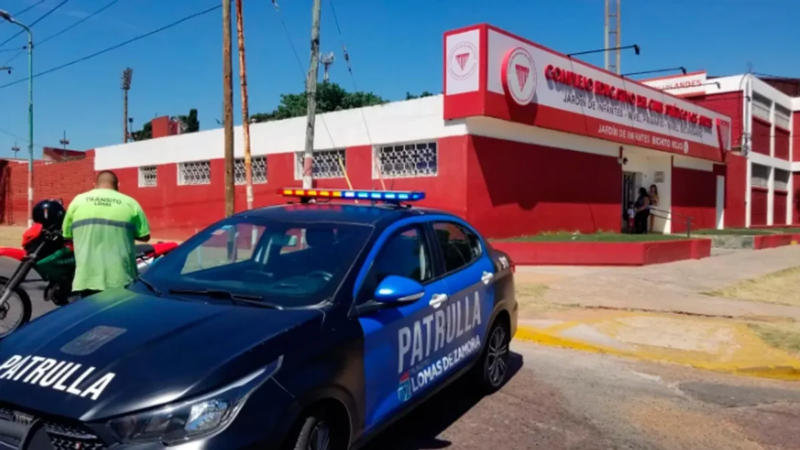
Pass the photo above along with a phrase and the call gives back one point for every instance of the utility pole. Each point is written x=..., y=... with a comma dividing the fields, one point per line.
x=64, y=141
x=227, y=99
x=326, y=61
x=248, y=168
x=127, y=75
x=311, y=95
x=15, y=149
x=613, y=32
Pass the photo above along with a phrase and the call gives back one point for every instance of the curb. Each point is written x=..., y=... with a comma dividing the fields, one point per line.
x=537, y=336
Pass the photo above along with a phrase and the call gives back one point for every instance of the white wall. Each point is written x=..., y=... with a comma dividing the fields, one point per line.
x=411, y=120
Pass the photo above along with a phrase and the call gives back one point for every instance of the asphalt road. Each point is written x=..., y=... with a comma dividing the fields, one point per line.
x=562, y=399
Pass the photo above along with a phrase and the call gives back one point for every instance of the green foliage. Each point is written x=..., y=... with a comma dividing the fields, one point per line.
x=144, y=134
x=192, y=124
x=330, y=97
x=410, y=96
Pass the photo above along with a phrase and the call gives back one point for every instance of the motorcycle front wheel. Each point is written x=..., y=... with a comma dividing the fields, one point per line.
x=17, y=310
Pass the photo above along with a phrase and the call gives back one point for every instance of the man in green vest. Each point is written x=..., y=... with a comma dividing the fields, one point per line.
x=103, y=224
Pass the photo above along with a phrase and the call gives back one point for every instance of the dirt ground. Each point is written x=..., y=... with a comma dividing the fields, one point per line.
x=782, y=288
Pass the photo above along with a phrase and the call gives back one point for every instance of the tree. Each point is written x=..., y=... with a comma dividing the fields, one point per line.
x=145, y=133
x=330, y=97
x=410, y=96
x=192, y=124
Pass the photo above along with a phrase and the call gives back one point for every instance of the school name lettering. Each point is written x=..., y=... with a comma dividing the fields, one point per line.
x=53, y=374
x=638, y=101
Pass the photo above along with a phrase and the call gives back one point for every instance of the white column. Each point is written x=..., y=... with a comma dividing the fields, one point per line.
x=748, y=193
x=771, y=196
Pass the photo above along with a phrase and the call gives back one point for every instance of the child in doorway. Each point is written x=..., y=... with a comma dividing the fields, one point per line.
x=631, y=215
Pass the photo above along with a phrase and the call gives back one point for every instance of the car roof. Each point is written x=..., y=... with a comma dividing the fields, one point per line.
x=378, y=215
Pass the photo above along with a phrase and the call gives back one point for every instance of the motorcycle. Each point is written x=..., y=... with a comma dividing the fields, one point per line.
x=45, y=252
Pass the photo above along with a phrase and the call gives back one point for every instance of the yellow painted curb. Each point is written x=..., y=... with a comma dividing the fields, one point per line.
x=785, y=370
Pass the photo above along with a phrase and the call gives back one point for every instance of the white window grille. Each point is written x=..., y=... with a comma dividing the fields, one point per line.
x=407, y=160
x=327, y=164
x=759, y=176
x=195, y=172
x=148, y=176
x=761, y=107
x=782, y=117
x=781, y=180
x=258, y=166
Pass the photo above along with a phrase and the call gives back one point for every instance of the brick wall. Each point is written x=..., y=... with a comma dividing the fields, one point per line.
x=63, y=180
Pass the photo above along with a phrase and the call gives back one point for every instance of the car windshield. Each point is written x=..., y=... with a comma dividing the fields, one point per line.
x=283, y=263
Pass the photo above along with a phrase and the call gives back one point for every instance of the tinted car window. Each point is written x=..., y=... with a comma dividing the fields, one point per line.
x=405, y=254
x=290, y=264
x=459, y=245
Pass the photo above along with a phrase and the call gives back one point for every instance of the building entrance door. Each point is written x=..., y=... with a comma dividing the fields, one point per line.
x=628, y=195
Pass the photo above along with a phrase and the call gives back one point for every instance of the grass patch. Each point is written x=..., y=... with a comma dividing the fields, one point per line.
x=782, y=288
x=734, y=232
x=563, y=236
x=785, y=336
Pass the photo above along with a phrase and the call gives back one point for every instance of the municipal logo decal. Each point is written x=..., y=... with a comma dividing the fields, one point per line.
x=463, y=60
x=519, y=76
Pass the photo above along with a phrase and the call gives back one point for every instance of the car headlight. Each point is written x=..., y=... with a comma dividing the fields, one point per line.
x=200, y=417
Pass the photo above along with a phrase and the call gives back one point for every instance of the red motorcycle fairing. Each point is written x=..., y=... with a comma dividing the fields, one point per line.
x=11, y=252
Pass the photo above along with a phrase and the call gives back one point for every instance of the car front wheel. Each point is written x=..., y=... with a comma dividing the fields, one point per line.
x=318, y=432
x=493, y=367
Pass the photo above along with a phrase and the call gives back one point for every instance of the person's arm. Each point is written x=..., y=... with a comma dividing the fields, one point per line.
x=142, y=226
x=69, y=217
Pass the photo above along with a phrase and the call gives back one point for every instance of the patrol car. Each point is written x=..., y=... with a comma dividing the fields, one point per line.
x=313, y=324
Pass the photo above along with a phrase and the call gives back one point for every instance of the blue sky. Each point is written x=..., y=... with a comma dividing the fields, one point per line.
x=395, y=46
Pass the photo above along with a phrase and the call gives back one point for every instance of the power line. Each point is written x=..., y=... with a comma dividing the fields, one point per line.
x=114, y=47
x=52, y=36
x=19, y=13
x=25, y=140
x=43, y=16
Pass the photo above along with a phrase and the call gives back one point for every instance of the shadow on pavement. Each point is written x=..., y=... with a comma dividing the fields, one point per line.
x=420, y=428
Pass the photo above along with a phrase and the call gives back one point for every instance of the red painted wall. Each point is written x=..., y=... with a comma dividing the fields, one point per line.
x=179, y=211
x=782, y=143
x=796, y=138
x=758, y=206
x=62, y=180
x=761, y=136
x=730, y=104
x=796, y=206
x=694, y=194
x=516, y=189
x=779, y=208
x=735, y=172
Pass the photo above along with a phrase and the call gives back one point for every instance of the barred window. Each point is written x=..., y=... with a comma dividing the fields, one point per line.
x=148, y=176
x=761, y=106
x=258, y=166
x=327, y=164
x=195, y=172
x=782, y=116
x=407, y=160
x=781, y=180
x=759, y=176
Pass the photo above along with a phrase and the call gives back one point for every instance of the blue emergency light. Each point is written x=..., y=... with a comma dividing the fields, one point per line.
x=385, y=196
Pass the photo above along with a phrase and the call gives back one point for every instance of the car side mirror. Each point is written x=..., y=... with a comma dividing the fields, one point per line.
x=396, y=290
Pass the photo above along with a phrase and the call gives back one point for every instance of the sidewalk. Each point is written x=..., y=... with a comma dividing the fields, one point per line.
x=659, y=313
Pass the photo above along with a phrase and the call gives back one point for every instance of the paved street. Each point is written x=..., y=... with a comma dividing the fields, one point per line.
x=562, y=399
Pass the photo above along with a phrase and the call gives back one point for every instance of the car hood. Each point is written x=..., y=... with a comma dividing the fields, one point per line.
x=119, y=352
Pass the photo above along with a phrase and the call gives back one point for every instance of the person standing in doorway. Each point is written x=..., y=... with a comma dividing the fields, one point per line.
x=642, y=207
x=653, y=203
x=104, y=224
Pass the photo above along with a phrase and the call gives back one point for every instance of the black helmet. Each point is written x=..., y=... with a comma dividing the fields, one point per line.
x=49, y=213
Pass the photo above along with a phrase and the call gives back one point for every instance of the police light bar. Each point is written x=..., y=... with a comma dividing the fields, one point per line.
x=348, y=194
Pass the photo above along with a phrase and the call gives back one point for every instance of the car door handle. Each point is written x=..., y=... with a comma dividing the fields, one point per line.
x=437, y=300
x=487, y=277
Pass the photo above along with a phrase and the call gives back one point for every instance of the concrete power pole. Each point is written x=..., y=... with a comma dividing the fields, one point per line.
x=311, y=95
x=248, y=167
x=326, y=61
x=127, y=75
x=613, y=36
x=227, y=98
